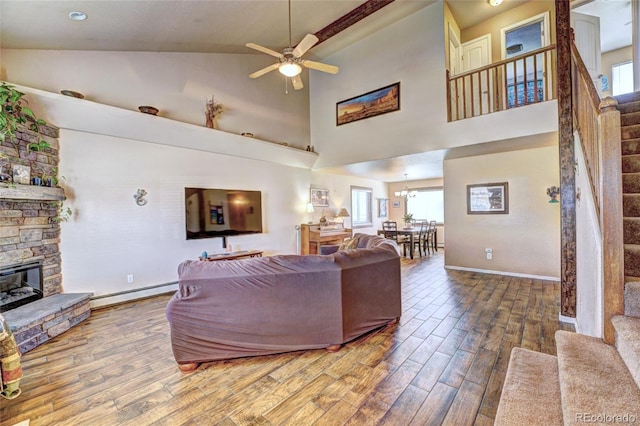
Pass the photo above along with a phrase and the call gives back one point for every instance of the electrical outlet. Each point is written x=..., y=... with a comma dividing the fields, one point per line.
x=489, y=253
x=130, y=278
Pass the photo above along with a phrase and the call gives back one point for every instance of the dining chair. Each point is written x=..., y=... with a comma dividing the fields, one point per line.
x=421, y=241
x=390, y=231
x=430, y=240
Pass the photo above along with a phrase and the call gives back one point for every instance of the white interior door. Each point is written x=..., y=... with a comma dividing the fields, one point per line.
x=476, y=54
x=587, y=33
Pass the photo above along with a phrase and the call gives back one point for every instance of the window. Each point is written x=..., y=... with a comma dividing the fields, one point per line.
x=622, y=78
x=428, y=204
x=361, y=216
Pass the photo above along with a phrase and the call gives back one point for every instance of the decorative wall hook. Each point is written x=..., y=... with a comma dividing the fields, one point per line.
x=139, y=197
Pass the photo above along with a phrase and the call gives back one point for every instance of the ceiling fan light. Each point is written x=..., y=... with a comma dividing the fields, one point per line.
x=290, y=69
x=495, y=2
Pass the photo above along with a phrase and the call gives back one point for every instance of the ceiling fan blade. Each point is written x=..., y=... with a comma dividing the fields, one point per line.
x=264, y=50
x=332, y=69
x=297, y=82
x=265, y=70
x=307, y=43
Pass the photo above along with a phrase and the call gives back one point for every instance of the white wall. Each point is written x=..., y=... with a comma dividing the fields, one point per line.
x=109, y=236
x=176, y=83
x=411, y=51
x=589, y=304
x=527, y=240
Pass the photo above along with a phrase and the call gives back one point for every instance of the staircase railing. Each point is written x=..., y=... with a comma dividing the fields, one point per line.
x=510, y=83
x=598, y=124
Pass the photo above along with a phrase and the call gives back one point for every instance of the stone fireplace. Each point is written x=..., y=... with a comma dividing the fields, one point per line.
x=31, y=294
x=20, y=284
x=28, y=230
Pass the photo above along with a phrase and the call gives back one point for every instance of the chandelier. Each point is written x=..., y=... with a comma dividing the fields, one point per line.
x=406, y=193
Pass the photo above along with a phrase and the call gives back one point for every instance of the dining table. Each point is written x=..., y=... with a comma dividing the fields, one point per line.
x=414, y=233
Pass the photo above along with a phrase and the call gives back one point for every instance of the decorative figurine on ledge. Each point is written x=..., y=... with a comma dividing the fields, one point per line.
x=212, y=110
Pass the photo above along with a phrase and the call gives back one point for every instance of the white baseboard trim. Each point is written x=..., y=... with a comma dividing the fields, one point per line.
x=568, y=320
x=510, y=274
x=129, y=295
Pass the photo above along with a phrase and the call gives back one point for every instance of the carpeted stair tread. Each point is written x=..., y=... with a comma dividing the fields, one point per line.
x=593, y=379
x=630, y=132
x=631, y=146
x=631, y=163
x=628, y=97
x=631, y=230
x=628, y=343
x=631, y=183
x=632, y=298
x=632, y=260
x=630, y=118
x=630, y=205
x=629, y=107
x=526, y=399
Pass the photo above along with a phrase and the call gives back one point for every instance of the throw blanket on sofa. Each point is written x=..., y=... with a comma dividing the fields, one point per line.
x=10, y=369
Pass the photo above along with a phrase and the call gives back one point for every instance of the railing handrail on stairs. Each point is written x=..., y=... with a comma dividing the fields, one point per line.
x=598, y=124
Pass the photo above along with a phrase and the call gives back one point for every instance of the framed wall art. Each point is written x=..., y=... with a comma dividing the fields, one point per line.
x=383, y=207
x=319, y=197
x=488, y=198
x=376, y=102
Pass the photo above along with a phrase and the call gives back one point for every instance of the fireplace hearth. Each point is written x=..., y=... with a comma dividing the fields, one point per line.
x=20, y=284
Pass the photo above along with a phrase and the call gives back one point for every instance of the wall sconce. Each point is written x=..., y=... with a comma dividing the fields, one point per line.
x=139, y=197
x=553, y=192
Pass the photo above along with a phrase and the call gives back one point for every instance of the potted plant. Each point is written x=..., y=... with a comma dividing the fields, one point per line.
x=408, y=218
x=14, y=113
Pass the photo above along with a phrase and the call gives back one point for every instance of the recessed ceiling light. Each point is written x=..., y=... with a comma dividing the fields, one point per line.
x=494, y=2
x=77, y=16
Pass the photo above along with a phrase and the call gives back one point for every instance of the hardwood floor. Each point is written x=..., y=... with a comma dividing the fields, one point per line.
x=443, y=364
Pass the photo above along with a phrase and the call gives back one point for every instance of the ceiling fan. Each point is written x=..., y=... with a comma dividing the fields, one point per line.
x=290, y=60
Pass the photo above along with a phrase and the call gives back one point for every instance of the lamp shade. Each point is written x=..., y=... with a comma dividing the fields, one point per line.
x=310, y=208
x=342, y=213
x=290, y=69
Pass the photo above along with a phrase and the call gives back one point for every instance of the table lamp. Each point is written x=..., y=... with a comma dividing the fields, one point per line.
x=342, y=213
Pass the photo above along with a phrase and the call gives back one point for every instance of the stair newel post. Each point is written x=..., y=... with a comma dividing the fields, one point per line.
x=611, y=214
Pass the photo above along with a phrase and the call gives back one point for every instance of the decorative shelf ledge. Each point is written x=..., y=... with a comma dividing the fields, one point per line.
x=73, y=114
x=31, y=192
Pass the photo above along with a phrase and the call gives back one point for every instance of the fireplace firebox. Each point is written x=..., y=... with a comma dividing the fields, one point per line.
x=20, y=284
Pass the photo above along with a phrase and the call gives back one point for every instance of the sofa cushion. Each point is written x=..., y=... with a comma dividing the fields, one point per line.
x=349, y=244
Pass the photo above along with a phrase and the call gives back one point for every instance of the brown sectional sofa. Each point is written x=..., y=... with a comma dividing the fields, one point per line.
x=259, y=306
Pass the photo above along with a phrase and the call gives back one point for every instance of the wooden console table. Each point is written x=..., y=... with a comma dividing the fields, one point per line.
x=314, y=236
x=233, y=255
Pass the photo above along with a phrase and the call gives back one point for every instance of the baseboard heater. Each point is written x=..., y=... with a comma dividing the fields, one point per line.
x=129, y=295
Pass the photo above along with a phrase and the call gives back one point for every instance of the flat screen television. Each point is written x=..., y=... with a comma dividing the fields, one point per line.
x=213, y=213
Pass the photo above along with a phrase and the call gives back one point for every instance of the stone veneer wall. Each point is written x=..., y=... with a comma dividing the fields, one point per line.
x=27, y=228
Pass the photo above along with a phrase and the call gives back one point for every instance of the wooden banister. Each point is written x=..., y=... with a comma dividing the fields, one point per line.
x=486, y=89
x=598, y=124
x=584, y=73
x=507, y=61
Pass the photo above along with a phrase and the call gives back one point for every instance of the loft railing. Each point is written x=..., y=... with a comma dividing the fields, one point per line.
x=598, y=125
x=513, y=82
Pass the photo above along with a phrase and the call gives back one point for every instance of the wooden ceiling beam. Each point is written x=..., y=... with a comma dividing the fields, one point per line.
x=356, y=15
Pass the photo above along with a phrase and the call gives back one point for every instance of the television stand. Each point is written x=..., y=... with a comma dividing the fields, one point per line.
x=233, y=255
